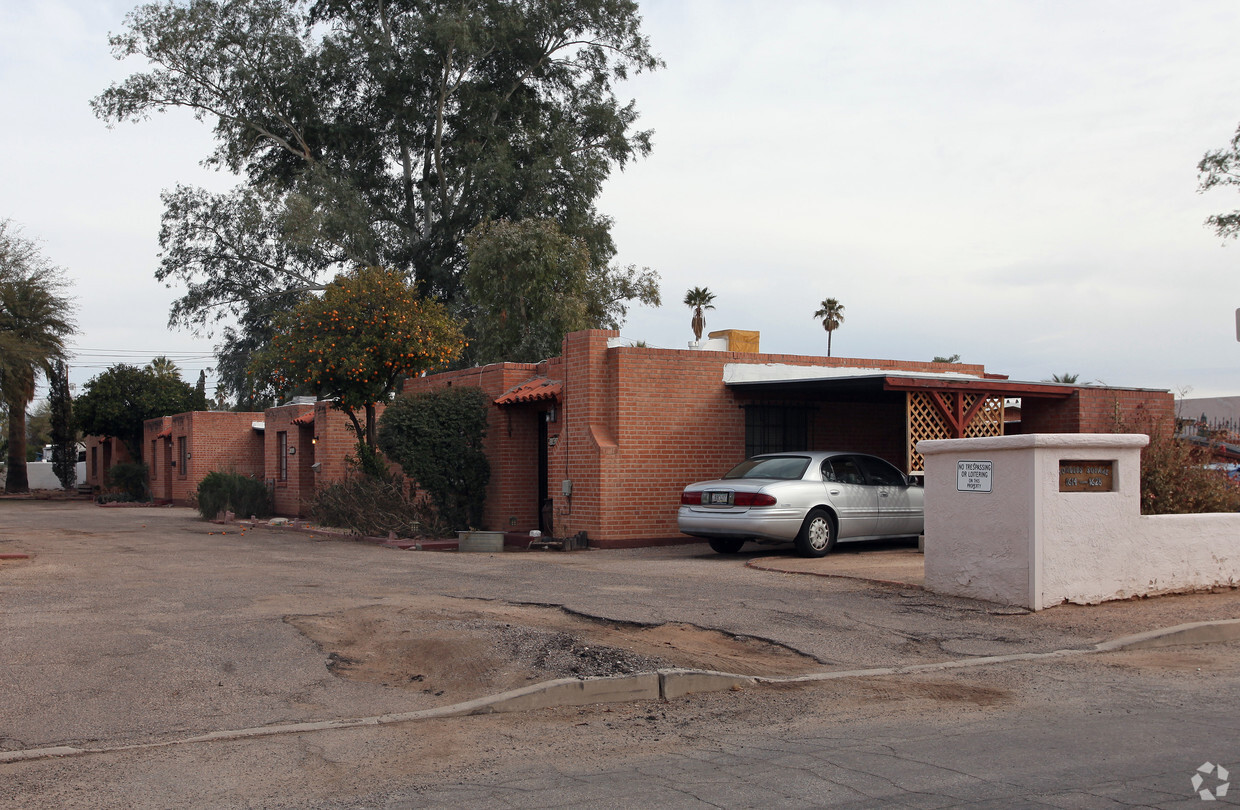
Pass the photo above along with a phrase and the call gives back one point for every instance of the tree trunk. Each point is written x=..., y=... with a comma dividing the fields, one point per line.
x=370, y=425
x=16, y=480
x=829, y=331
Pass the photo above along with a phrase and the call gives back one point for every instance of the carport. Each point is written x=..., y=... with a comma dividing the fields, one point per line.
x=875, y=411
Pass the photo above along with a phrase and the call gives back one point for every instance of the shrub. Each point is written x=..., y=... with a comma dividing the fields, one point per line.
x=1174, y=478
x=129, y=478
x=232, y=492
x=436, y=437
x=369, y=505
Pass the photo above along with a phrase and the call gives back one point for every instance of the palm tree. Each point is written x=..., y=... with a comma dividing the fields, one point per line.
x=831, y=313
x=164, y=367
x=1065, y=378
x=699, y=299
x=34, y=322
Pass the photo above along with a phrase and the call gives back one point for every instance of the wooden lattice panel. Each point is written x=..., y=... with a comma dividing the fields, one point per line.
x=926, y=422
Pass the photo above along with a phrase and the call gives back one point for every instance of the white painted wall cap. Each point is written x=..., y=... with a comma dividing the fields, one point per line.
x=1070, y=441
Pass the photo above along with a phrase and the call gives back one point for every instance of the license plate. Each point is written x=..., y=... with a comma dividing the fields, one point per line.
x=718, y=498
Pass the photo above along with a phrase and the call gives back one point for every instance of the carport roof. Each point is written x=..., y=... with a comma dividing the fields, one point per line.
x=853, y=380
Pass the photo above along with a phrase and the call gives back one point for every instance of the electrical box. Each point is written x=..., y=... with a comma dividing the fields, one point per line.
x=566, y=488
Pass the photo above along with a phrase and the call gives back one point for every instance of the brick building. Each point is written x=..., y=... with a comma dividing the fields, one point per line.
x=603, y=438
x=180, y=450
x=101, y=454
x=306, y=445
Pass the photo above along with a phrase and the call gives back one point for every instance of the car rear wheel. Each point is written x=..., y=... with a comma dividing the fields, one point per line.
x=727, y=546
x=817, y=535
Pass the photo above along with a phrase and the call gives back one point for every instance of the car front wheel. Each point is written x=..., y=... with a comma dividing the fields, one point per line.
x=817, y=535
x=726, y=546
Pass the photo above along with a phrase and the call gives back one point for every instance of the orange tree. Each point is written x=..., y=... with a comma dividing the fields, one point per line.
x=356, y=341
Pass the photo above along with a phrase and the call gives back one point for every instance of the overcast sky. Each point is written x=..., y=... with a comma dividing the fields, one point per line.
x=1011, y=182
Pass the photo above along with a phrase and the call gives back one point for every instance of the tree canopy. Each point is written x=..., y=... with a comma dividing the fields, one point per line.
x=356, y=341
x=380, y=132
x=35, y=319
x=529, y=283
x=117, y=401
x=1221, y=167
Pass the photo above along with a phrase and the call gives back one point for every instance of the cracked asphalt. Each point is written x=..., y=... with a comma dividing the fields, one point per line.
x=131, y=626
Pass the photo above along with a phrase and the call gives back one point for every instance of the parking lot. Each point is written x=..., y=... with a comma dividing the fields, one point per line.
x=138, y=627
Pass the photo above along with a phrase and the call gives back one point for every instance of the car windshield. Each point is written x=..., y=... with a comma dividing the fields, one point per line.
x=786, y=468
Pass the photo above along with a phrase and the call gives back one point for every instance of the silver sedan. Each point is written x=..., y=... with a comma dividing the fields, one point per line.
x=811, y=499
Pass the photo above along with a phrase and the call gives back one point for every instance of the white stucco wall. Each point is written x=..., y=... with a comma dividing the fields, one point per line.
x=41, y=476
x=1026, y=543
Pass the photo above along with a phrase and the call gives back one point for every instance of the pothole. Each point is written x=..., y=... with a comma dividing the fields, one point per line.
x=463, y=648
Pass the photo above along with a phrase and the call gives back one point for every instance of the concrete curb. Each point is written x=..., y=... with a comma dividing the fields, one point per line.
x=663, y=684
x=1220, y=631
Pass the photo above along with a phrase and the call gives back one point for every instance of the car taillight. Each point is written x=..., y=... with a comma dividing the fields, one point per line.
x=690, y=499
x=753, y=499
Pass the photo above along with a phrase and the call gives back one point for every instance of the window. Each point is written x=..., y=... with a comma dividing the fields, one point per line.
x=182, y=456
x=282, y=453
x=881, y=473
x=776, y=428
x=154, y=459
x=780, y=468
x=843, y=470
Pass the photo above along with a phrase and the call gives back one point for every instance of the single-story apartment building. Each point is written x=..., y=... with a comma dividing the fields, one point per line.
x=603, y=438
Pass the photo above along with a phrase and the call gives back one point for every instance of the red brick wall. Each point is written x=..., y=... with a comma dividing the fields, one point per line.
x=223, y=441
x=329, y=441
x=101, y=455
x=1099, y=410
x=511, y=442
x=290, y=493
x=635, y=425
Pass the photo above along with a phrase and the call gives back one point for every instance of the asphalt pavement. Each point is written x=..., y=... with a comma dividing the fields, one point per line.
x=144, y=632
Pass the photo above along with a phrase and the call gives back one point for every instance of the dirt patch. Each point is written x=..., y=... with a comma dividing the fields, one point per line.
x=1170, y=659
x=458, y=648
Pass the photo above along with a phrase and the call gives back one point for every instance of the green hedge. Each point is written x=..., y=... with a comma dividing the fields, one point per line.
x=436, y=438
x=130, y=478
x=232, y=492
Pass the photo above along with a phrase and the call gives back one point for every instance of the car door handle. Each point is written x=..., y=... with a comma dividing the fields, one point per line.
x=884, y=494
x=834, y=491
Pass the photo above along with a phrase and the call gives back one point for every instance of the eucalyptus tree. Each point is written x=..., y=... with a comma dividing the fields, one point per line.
x=377, y=133
x=699, y=299
x=831, y=313
x=1221, y=167
x=36, y=317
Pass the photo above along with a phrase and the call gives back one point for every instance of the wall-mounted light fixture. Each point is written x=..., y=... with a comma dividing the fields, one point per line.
x=292, y=451
x=550, y=414
x=315, y=440
x=189, y=455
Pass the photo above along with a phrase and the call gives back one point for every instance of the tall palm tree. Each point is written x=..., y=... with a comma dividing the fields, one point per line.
x=164, y=367
x=831, y=313
x=699, y=299
x=35, y=319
